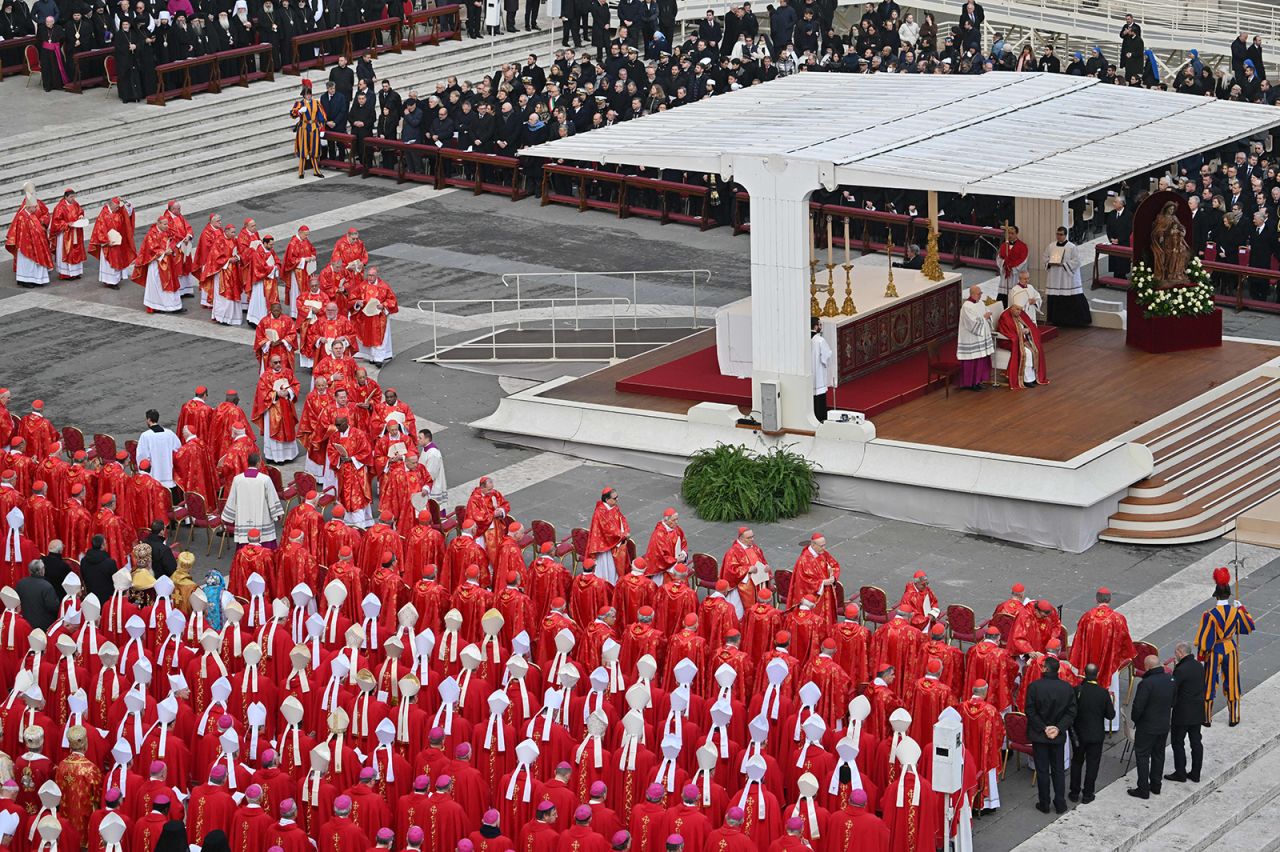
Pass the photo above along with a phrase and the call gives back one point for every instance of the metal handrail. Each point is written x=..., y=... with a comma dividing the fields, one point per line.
x=504, y=322
x=1168, y=18
x=517, y=278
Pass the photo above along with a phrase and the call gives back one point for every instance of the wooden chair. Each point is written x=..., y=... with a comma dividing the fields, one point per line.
x=197, y=511
x=1137, y=666
x=131, y=447
x=273, y=473
x=305, y=483
x=875, y=605
x=781, y=587
x=941, y=367
x=1015, y=731
x=1004, y=623
x=105, y=447
x=706, y=569
x=840, y=598
x=578, y=536
x=962, y=624
x=72, y=440
x=31, y=54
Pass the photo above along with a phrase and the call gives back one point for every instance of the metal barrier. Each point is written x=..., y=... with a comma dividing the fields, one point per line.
x=522, y=312
x=518, y=279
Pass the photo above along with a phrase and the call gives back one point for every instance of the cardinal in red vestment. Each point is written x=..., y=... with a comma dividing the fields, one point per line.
x=1034, y=627
x=988, y=662
x=929, y=698
x=298, y=265
x=350, y=454
x=350, y=248
x=667, y=544
x=28, y=241
x=1102, y=638
x=815, y=573
x=68, y=243
x=983, y=738
x=900, y=645
x=193, y=468
x=608, y=536
x=276, y=334
x=112, y=241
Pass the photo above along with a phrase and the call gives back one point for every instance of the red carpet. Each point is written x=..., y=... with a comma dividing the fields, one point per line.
x=697, y=377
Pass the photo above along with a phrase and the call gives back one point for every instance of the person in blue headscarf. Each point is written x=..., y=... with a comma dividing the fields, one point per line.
x=214, y=585
x=1193, y=59
x=1150, y=68
x=1076, y=66
x=1096, y=64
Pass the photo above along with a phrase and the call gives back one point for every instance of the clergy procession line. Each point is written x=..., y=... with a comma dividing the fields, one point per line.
x=341, y=312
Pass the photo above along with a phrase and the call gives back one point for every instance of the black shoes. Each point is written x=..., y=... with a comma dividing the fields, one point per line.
x=1138, y=794
x=1042, y=807
x=1086, y=800
x=1175, y=776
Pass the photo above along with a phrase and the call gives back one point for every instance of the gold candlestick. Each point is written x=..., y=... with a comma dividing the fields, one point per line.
x=829, y=309
x=932, y=269
x=815, y=310
x=848, y=308
x=890, y=292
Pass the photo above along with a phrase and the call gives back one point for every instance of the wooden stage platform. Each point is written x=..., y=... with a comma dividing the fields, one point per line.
x=1098, y=390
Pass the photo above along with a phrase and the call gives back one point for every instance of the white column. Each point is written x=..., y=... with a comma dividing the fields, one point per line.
x=780, y=350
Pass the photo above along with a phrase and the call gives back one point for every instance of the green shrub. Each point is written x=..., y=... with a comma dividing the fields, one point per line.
x=731, y=483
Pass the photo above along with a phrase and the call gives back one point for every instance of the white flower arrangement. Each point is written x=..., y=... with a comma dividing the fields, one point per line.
x=1193, y=300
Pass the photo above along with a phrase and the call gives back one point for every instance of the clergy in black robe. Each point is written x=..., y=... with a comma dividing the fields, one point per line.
x=15, y=22
x=126, y=45
x=79, y=38
x=49, y=36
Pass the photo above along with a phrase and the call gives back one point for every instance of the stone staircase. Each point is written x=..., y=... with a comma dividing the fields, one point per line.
x=1211, y=464
x=213, y=142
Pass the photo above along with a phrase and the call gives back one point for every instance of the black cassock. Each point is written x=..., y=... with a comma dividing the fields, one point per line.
x=129, y=82
x=51, y=59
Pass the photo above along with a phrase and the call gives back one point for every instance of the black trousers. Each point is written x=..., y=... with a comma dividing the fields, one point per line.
x=820, y=406
x=531, y=13
x=1192, y=733
x=1049, y=760
x=1148, y=748
x=1087, y=757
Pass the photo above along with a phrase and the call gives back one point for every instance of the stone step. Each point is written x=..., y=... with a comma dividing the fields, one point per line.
x=1115, y=821
x=1257, y=833
x=1201, y=826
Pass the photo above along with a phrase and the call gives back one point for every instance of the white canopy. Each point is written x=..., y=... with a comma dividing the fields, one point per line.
x=1030, y=135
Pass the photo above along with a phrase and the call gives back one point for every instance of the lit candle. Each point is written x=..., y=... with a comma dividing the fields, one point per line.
x=830, y=247
x=846, y=240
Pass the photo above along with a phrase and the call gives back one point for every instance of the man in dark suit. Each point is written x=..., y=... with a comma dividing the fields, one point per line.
x=1051, y=712
x=37, y=598
x=56, y=568
x=1261, y=250
x=1188, y=713
x=1152, y=711
x=96, y=568
x=1119, y=233
x=1093, y=710
x=163, y=562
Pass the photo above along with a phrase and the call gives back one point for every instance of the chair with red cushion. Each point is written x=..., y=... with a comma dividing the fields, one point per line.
x=273, y=473
x=839, y=589
x=962, y=624
x=875, y=604
x=328, y=496
x=579, y=538
x=197, y=509
x=942, y=367
x=1137, y=666
x=706, y=569
x=110, y=72
x=304, y=482
x=1015, y=731
x=543, y=531
x=131, y=450
x=72, y=440
x=1003, y=622
x=32, y=55
x=781, y=587
x=105, y=447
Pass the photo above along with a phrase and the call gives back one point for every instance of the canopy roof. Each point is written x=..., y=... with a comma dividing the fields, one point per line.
x=1028, y=135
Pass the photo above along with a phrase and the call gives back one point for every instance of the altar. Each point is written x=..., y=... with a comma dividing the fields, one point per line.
x=883, y=330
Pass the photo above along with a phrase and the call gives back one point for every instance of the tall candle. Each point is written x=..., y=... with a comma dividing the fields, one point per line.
x=846, y=240
x=829, y=246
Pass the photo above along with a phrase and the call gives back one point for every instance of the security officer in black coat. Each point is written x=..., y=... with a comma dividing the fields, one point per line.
x=1188, y=713
x=1051, y=713
x=1093, y=709
x=1152, y=711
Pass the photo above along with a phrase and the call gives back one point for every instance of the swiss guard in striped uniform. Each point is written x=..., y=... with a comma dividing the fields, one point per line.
x=1217, y=646
x=311, y=118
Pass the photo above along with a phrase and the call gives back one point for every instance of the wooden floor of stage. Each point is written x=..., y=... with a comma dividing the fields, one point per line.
x=1098, y=389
